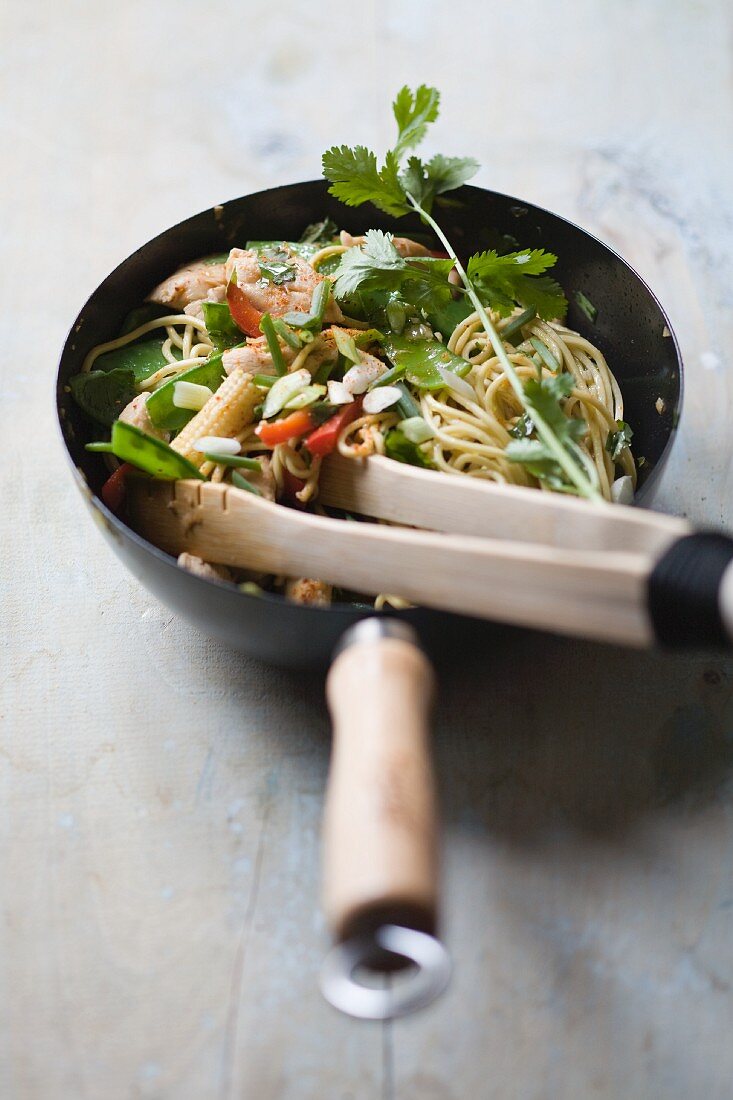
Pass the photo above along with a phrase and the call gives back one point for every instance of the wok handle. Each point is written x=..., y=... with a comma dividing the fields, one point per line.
x=690, y=592
x=380, y=879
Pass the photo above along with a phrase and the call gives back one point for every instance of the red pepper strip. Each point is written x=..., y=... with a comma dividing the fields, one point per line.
x=113, y=490
x=291, y=486
x=244, y=313
x=324, y=439
x=280, y=431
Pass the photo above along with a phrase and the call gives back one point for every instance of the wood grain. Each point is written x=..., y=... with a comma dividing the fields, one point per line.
x=380, y=817
x=161, y=797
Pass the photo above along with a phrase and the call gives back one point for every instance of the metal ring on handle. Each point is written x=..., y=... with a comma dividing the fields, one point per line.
x=344, y=992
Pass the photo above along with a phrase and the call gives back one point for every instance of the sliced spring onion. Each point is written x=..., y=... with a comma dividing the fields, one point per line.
x=273, y=344
x=217, y=445
x=586, y=305
x=545, y=354
x=377, y=401
x=517, y=323
x=458, y=385
x=345, y=344
x=283, y=390
x=264, y=381
x=242, y=483
x=305, y=397
x=416, y=428
x=389, y=377
x=190, y=395
x=106, y=448
x=286, y=333
x=338, y=394
x=319, y=301
x=406, y=407
x=233, y=460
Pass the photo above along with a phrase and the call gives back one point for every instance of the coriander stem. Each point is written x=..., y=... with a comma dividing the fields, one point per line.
x=564, y=459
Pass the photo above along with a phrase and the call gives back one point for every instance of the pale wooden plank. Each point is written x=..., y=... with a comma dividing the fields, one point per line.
x=588, y=876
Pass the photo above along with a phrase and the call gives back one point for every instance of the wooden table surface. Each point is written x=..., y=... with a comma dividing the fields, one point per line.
x=160, y=796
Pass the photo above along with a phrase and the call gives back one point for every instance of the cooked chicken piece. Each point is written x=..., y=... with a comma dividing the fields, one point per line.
x=196, y=309
x=307, y=590
x=189, y=284
x=291, y=297
x=201, y=568
x=254, y=357
x=404, y=245
x=264, y=481
x=136, y=413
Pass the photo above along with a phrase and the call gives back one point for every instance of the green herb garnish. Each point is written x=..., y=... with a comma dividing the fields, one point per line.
x=544, y=399
x=586, y=305
x=223, y=331
x=356, y=178
x=276, y=266
x=619, y=439
x=320, y=233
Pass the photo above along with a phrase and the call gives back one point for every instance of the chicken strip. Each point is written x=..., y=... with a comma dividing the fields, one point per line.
x=189, y=284
x=196, y=309
x=136, y=413
x=293, y=296
x=255, y=357
x=307, y=590
x=201, y=568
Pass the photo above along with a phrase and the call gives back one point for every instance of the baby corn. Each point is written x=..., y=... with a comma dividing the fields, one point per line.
x=226, y=413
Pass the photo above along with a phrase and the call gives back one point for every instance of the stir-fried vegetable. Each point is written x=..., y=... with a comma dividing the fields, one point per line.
x=151, y=455
x=419, y=360
x=244, y=314
x=222, y=329
x=160, y=405
x=103, y=394
x=282, y=431
x=323, y=440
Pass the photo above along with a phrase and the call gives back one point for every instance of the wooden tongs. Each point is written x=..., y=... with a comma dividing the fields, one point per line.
x=509, y=554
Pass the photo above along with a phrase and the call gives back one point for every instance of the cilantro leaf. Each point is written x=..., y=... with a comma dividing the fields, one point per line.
x=320, y=233
x=377, y=266
x=373, y=262
x=618, y=440
x=440, y=174
x=356, y=179
x=517, y=278
x=544, y=396
x=413, y=112
x=276, y=267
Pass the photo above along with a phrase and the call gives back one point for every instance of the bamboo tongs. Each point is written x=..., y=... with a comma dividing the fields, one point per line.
x=513, y=555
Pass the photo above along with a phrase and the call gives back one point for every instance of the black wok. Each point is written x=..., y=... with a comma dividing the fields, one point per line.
x=631, y=328
x=381, y=896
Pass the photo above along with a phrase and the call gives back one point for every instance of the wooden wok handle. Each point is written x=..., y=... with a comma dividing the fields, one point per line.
x=380, y=846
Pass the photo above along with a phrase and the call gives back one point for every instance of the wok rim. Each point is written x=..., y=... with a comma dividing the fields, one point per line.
x=120, y=528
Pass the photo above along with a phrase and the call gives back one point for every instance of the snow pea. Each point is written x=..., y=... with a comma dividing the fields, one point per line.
x=142, y=358
x=151, y=455
x=420, y=359
x=162, y=411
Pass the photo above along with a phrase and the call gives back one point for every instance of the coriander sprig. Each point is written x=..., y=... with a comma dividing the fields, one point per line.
x=499, y=281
